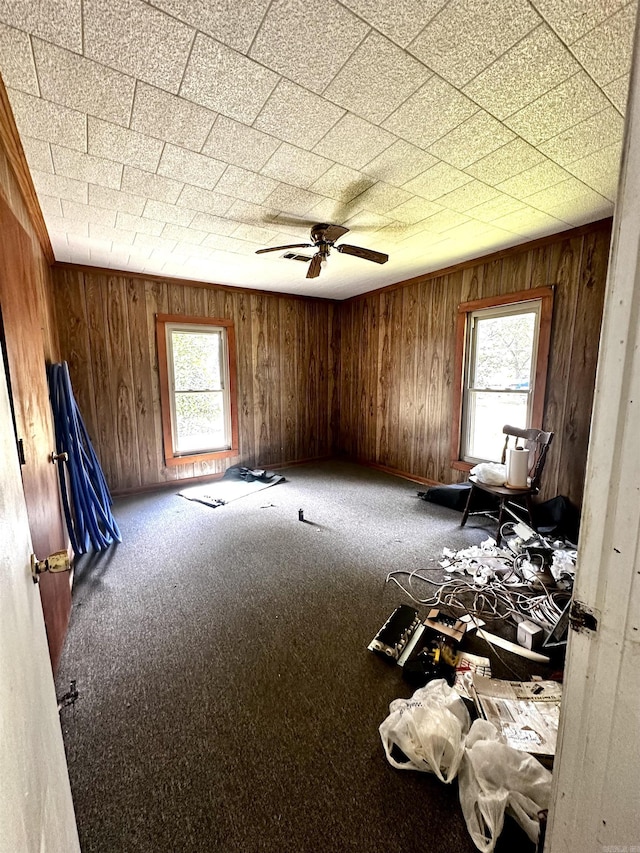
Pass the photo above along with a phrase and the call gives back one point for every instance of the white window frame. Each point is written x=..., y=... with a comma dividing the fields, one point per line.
x=166, y=325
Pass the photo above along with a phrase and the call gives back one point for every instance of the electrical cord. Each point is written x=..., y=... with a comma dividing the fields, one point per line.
x=86, y=500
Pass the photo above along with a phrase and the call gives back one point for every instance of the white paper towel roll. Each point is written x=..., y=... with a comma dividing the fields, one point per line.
x=517, y=468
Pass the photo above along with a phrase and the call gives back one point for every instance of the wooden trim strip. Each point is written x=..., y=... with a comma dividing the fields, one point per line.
x=10, y=141
x=414, y=478
x=507, y=299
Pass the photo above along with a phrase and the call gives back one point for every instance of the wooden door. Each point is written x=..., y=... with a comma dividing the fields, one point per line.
x=36, y=810
x=23, y=317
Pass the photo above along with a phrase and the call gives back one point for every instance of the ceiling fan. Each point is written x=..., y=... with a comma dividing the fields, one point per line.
x=323, y=238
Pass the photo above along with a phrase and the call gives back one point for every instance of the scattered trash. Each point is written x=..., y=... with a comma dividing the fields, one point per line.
x=69, y=698
x=300, y=515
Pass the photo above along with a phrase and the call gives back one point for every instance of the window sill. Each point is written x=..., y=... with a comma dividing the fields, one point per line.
x=172, y=461
x=460, y=465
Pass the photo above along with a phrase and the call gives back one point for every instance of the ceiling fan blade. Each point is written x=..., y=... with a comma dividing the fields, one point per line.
x=314, y=266
x=334, y=232
x=279, y=248
x=367, y=254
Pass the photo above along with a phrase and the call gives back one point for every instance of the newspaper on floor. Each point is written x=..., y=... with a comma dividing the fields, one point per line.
x=526, y=712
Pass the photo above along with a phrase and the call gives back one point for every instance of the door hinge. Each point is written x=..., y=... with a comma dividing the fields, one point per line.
x=583, y=618
x=21, y=457
x=54, y=563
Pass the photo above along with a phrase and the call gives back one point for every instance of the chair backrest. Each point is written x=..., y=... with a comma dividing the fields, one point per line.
x=537, y=442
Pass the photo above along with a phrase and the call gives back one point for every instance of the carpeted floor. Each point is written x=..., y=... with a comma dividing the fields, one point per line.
x=227, y=701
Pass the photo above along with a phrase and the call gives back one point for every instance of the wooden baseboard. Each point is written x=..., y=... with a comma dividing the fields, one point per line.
x=405, y=475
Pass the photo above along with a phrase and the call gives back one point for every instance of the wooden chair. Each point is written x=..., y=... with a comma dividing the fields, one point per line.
x=537, y=442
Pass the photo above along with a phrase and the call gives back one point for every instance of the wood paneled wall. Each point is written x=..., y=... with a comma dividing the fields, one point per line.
x=397, y=358
x=287, y=361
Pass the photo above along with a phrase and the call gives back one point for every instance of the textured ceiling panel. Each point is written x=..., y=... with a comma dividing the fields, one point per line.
x=177, y=137
x=469, y=35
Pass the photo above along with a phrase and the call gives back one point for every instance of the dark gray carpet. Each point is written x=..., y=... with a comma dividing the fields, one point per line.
x=227, y=700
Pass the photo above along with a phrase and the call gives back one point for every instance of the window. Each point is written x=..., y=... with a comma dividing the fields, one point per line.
x=196, y=362
x=501, y=362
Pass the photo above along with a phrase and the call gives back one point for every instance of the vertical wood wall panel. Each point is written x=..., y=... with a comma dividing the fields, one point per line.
x=411, y=359
x=287, y=362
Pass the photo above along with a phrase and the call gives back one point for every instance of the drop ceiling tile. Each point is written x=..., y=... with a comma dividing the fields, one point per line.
x=539, y=177
x=205, y=201
x=467, y=233
x=57, y=185
x=307, y=45
x=570, y=102
x=126, y=146
x=600, y=170
x=512, y=158
x=193, y=252
x=296, y=115
x=295, y=166
x=239, y=145
x=401, y=162
x=474, y=138
x=148, y=241
x=149, y=185
x=184, y=165
x=138, y=224
x=564, y=192
x=618, y=91
x=44, y=120
x=365, y=221
x=581, y=210
x=116, y=200
x=443, y=221
x=430, y=113
x=164, y=116
x=329, y=210
x=381, y=198
x=354, y=142
x=436, y=181
x=376, y=79
x=214, y=224
x=57, y=21
x=229, y=244
x=605, y=52
x=597, y=132
x=496, y=207
x=87, y=213
x=536, y=64
x=469, y=35
x=292, y=200
x=527, y=221
x=38, y=154
x=255, y=234
x=401, y=21
x=234, y=24
x=186, y=235
x=226, y=81
x=399, y=231
x=572, y=19
x=16, y=61
x=254, y=214
x=50, y=205
x=81, y=84
x=113, y=235
x=467, y=196
x=341, y=183
x=246, y=185
x=160, y=211
x=132, y=37
x=59, y=225
x=414, y=210
x=84, y=167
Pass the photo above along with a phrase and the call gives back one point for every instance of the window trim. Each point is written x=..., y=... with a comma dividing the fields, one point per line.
x=465, y=309
x=172, y=458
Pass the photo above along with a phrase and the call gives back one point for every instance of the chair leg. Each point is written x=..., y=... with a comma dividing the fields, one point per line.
x=529, y=504
x=465, y=514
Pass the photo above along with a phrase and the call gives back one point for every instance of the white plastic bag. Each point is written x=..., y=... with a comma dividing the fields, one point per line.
x=495, y=778
x=491, y=473
x=429, y=729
